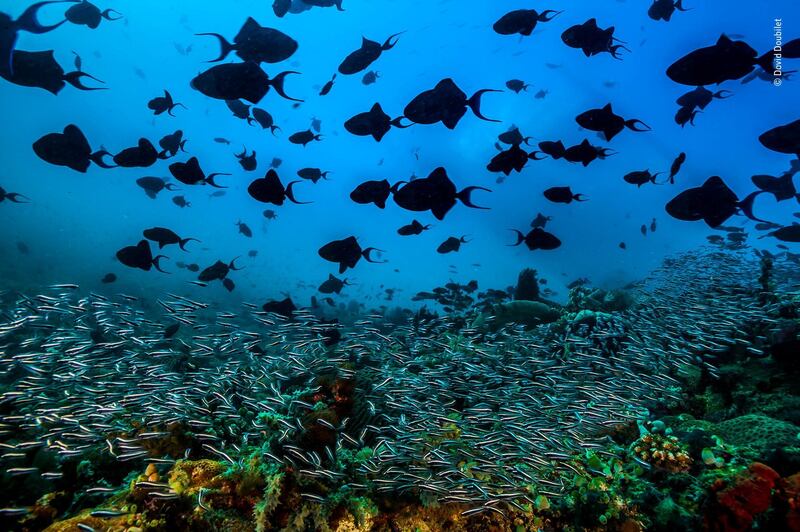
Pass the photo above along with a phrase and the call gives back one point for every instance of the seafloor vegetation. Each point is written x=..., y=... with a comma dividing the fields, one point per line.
x=714, y=447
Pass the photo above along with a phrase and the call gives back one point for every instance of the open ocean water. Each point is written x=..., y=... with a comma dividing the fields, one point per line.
x=399, y=265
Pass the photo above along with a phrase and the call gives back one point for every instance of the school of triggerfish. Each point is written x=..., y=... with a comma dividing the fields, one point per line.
x=243, y=83
x=543, y=396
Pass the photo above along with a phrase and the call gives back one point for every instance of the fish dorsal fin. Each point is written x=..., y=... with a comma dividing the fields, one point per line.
x=446, y=82
x=724, y=39
x=591, y=23
x=366, y=43
x=377, y=108
x=438, y=174
x=607, y=107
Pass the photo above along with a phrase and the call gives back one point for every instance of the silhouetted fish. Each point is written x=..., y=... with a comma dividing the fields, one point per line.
x=304, y=137
x=247, y=162
x=70, y=149
x=374, y=122
x=332, y=285
x=435, y=193
x=722, y=61
x=507, y=161
x=84, y=13
x=640, y=177
x=153, y=185
x=369, y=52
x=219, y=271
x=257, y=44
x=605, y=121
x=783, y=139
x=240, y=81
x=265, y=120
x=414, y=228
x=10, y=28
x=312, y=174
x=171, y=144
x=40, y=69
x=269, y=189
x=190, y=173
x=700, y=97
x=143, y=155
x=522, y=21
x=663, y=9
x=346, y=253
x=537, y=238
x=451, y=245
x=713, y=202
x=676, y=167
x=140, y=256
x=163, y=104
x=591, y=39
x=781, y=187
x=13, y=197
x=562, y=195
x=376, y=192
x=285, y=307
x=244, y=229
x=165, y=237
x=445, y=103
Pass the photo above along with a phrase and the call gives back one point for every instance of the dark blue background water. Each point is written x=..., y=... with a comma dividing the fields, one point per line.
x=77, y=222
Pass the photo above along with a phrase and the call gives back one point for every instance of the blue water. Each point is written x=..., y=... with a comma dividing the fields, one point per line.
x=77, y=222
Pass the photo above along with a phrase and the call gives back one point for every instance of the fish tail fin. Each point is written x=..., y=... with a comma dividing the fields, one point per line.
x=474, y=103
x=290, y=194
x=634, y=125
x=107, y=14
x=277, y=84
x=97, y=158
x=746, y=206
x=156, y=264
x=520, y=238
x=185, y=241
x=272, y=129
x=398, y=122
x=465, y=198
x=232, y=265
x=720, y=95
x=163, y=155
x=210, y=180
x=171, y=187
x=13, y=197
x=388, y=44
x=547, y=16
x=394, y=188
x=534, y=155
x=338, y=4
x=74, y=79
x=766, y=61
x=225, y=47
x=679, y=6
x=366, y=256
x=580, y=197
x=182, y=145
x=614, y=50
x=173, y=106
x=29, y=21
